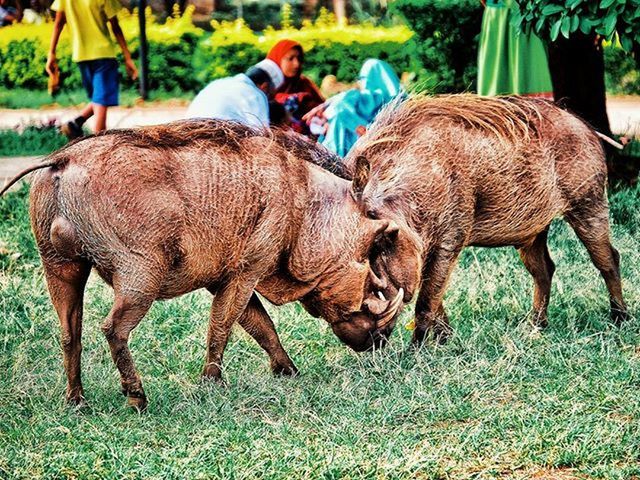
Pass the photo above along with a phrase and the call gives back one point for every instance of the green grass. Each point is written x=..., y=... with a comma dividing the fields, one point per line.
x=498, y=401
x=24, y=98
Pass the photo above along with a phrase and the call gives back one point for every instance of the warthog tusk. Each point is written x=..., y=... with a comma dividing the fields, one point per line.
x=381, y=295
x=391, y=311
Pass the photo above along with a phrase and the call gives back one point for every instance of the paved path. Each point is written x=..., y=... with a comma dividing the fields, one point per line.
x=118, y=117
x=624, y=114
x=11, y=166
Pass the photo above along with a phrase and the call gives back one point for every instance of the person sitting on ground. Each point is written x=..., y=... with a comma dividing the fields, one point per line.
x=33, y=14
x=298, y=94
x=243, y=97
x=9, y=14
x=345, y=117
x=95, y=53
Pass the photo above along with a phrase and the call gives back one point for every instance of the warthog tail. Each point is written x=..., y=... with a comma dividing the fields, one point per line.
x=609, y=140
x=26, y=172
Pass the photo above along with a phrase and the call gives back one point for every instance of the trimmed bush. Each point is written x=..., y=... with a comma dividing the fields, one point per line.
x=31, y=140
x=447, y=36
x=622, y=74
x=183, y=57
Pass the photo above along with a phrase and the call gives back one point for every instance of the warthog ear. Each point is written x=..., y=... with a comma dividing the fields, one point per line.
x=361, y=174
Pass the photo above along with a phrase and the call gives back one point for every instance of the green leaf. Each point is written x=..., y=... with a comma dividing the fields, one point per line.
x=555, y=30
x=626, y=42
x=552, y=9
x=565, y=27
x=575, y=23
x=585, y=25
x=610, y=23
x=606, y=3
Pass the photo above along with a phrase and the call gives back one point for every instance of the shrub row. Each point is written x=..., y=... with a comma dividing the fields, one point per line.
x=184, y=57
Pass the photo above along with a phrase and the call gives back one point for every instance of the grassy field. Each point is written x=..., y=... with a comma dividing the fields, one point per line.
x=498, y=401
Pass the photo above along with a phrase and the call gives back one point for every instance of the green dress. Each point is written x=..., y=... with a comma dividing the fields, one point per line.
x=510, y=62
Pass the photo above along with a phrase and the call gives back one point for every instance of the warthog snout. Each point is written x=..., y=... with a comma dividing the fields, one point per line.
x=370, y=328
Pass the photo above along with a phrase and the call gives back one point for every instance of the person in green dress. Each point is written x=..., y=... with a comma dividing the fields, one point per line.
x=510, y=62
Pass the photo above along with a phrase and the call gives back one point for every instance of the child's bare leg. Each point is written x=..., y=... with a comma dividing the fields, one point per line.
x=87, y=111
x=100, y=111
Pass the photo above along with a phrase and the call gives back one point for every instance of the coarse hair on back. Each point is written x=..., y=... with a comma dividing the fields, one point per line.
x=510, y=119
x=510, y=122
x=221, y=134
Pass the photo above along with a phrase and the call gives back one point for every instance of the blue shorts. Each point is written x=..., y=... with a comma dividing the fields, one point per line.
x=100, y=80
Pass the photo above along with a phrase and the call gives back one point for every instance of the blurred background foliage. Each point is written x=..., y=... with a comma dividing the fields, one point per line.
x=433, y=41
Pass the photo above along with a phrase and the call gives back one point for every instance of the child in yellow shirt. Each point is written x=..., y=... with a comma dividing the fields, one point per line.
x=95, y=53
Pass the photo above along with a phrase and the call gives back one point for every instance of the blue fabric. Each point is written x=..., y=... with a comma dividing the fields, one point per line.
x=101, y=80
x=358, y=108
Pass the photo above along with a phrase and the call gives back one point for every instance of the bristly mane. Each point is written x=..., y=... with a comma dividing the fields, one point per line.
x=509, y=119
x=222, y=133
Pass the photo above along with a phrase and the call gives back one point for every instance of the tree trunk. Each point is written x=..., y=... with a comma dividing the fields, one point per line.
x=577, y=74
x=340, y=9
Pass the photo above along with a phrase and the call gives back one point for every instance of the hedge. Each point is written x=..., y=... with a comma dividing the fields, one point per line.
x=184, y=57
x=448, y=33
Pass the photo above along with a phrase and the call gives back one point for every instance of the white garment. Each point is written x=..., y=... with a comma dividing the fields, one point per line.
x=232, y=98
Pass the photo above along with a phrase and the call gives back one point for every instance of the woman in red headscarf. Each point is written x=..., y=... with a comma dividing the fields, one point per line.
x=298, y=94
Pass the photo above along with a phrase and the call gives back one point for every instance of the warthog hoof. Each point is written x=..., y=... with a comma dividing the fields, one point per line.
x=539, y=319
x=212, y=373
x=139, y=403
x=75, y=398
x=284, y=370
x=440, y=335
x=135, y=396
x=619, y=315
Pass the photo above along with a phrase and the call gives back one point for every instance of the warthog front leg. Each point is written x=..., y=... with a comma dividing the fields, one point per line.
x=126, y=313
x=66, y=284
x=430, y=314
x=256, y=322
x=229, y=304
x=537, y=260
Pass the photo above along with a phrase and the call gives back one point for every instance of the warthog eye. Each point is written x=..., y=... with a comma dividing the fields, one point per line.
x=372, y=214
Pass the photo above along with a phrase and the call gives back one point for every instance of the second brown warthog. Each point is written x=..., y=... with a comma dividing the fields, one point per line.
x=461, y=170
x=165, y=210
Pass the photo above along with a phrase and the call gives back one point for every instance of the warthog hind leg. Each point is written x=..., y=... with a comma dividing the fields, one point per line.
x=229, y=304
x=430, y=314
x=66, y=284
x=256, y=322
x=591, y=225
x=127, y=311
x=536, y=258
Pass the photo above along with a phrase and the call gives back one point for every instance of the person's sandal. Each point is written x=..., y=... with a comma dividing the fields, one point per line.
x=72, y=130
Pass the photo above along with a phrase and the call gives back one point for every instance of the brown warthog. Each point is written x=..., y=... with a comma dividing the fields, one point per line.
x=461, y=170
x=165, y=210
